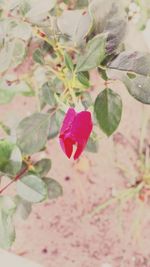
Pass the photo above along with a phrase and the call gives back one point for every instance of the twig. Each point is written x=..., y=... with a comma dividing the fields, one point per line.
x=17, y=177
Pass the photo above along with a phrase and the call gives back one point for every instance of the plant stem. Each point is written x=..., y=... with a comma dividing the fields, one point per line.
x=17, y=177
x=127, y=193
x=143, y=129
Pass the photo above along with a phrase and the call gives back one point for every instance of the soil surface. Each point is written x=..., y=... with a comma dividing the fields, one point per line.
x=61, y=232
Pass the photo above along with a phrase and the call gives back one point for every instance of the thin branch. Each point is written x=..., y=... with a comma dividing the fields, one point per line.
x=17, y=177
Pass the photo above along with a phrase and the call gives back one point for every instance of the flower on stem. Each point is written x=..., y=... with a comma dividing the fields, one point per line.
x=76, y=129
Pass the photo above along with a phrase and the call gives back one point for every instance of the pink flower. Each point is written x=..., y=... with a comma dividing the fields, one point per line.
x=76, y=129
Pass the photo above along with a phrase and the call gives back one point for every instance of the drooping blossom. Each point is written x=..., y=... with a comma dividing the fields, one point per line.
x=76, y=129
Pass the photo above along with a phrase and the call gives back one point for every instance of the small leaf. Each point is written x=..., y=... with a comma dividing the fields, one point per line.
x=139, y=87
x=39, y=8
x=32, y=133
x=31, y=188
x=75, y=24
x=68, y=62
x=54, y=188
x=7, y=204
x=55, y=123
x=108, y=109
x=83, y=79
x=94, y=55
x=42, y=167
x=137, y=62
x=86, y=100
x=92, y=146
x=47, y=95
x=103, y=74
x=38, y=56
x=10, y=157
x=23, y=209
x=22, y=31
x=19, y=50
x=15, y=161
x=7, y=230
x=109, y=17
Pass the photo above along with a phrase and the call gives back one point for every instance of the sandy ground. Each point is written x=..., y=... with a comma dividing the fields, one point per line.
x=59, y=232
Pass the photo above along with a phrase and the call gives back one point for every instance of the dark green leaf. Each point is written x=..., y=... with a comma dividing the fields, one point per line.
x=31, y=188
x=83, y=79
x=68, y=62
x=32, y=133
x=94, y=54
x=103, y=74
x=38, y=56
x=10, y=157
x=42, y=167
x=108, y=110
x=55, y=123
x=54, y=188
x=47, y=95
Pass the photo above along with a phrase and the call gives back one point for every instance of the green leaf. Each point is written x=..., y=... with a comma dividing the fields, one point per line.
x=86, y=100
x=75, y=24
x=15, y=161
x=5, y=57
x=68, y=62
x=38, y=56
x=18, y=54
x=24, y=7
x=10, y=157
x=103, y=74
x=5, y=128
x=138, y=87
x=31, y=188
x=23, y=208
x=22, y=31
x=7, y=231
x=47, y=95
x=83, y=79
x=54, y=188
x=32, y=133
x=108, y=110
x=42, y=167
x=92, y=146
x=137, y=62
x=55, y=123
x=9, y=91
x=94, y=54
x=81, y=3
x=38, y=8
x=108, y=17
x=7, y=204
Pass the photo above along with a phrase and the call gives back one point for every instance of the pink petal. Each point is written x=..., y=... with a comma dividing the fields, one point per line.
x=76, y=129
x=82, y=126
x=78, y=152
x=81, y=130
x=68, y=120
